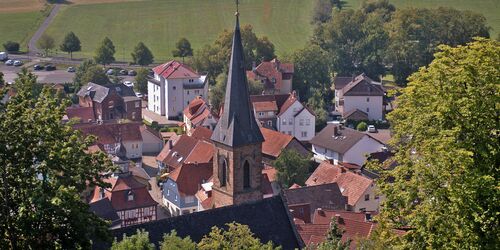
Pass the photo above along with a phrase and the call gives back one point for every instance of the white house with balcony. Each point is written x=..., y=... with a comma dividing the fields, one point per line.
x=359, y=98
x=172, y=87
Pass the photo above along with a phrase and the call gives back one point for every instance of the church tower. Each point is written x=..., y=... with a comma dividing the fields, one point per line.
x=237, y=138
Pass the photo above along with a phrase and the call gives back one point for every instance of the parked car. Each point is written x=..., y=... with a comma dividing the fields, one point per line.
x=71, y=69
x=132, y=73
x=110, y=72
x=128, y=84
x=4, y=56
x=9, y=62
x=123, y=72
x=18, y=63
x=372, y=129
x=50, y=67
x=138, y=94
x=38, y=67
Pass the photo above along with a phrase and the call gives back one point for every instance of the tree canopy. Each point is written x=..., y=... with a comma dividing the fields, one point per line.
x=89, y=71
x=141, y=81
x=182, y=49
x=46, y=43
x=138, y=241
x=291, y=167
x=218, y=91
x=237, y=236
x=70, y=44
x=445, y=189
x=142, y=55
x=105, y=53
x=44, y=171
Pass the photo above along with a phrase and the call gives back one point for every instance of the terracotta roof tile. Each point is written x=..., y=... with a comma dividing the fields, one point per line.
x=202, y=152
x=270, y=172
x=274, y=142
x=202, y=133
x=175, y=70
x=109, y=133
x=84, y=114
x=175, y=156
x=190, y=176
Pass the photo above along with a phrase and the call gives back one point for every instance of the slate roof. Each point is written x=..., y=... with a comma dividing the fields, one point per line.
x=105, y=210
x=109, y=133
x=353, y=185
x=175, y=70
x=320, y=196
x=98, y=92
x=268, y=219
x=237, y=125
x=344, y=140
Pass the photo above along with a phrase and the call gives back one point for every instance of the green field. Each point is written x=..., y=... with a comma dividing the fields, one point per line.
x=160, y=23
x=18, y=27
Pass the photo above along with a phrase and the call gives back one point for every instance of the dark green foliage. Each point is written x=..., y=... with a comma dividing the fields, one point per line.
x=362, y=126
x=317, y=103
x=142, y=55
x=141, y=81
x=322, y=11
x=182, y=49
x=237, y=236
x=292, y=168
x=46, y=43
x=11, y=46
x=173, y=242
x=218, y=91
x=70, y=44
x=105, y=53
x=138, y=241
x=44, y=171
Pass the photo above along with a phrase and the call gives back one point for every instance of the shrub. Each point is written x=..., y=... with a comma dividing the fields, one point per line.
x=362, y=126
x=11, y=46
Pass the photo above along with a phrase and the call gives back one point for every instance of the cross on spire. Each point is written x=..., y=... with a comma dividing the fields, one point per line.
x=237, y=7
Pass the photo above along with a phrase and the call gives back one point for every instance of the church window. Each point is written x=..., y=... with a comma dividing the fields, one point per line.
x=223, y=173
x=246, y=175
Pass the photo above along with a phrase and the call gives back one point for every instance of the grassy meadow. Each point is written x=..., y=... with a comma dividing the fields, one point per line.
x=160, y=23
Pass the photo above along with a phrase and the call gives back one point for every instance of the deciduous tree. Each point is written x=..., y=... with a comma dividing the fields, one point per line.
x=44, y=170
x=70, y=44
x=173, y=242
x=142, y=55
x=445, y=189
x=140, y=240
x=182, y=49
x=105, y=53
x=237, y=236
x=292, y=168
x=141, y=81
x=46, y=43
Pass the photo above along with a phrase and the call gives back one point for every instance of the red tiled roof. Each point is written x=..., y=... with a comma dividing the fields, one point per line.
x=295, y=185
x=292, y=98
x=203, y=152
x=175, y=156
x=151, y=131
x=266, y=187
x=190, y=176
x=324, y=216
x=85, y=114
x=306, y=231
x=271, y=70
x=202, y=133
x=270, y=172
x=109, y=133
x=274, y=142
x=351, y=184
x=198, y=111
x=175, y=70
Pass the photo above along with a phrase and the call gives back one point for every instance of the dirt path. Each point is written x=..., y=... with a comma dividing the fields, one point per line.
x=33, y=50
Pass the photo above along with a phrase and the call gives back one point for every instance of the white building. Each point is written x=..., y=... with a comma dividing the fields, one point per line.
x=173, y=86
x=359, y=98
x=296, y=119
x=342, y=144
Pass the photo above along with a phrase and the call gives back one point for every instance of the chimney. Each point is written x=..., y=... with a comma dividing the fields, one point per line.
x=340, y=220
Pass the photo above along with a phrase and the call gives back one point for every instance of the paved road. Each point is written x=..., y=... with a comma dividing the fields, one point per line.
x=33, y=50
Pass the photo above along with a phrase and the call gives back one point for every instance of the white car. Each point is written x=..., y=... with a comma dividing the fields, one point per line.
x=128, y=84
x=372, y=129
x=9, y=62
x=18, y=63
x=138, y=94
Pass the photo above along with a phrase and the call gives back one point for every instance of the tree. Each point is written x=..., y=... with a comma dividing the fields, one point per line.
x=322, y=11
x=362, y=126
x=237, y=236
x=142, y=55
x=46, y=43
x=105, y=53
x=70, y=44
x=141, y=81
x=292, y=168
x=11, y=46
x=333, y=238
x=139, y=240
x=317, y=103
x=414, y=35
x=311, y=71
x=95, y=74
x=173, y=242
x=218, y=91
x=214, y=58
x=2, y=81
x=183, y=49
x=445, y=188
x=44, y=171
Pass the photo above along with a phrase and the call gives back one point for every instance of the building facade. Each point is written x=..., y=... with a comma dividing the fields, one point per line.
x=275, y=76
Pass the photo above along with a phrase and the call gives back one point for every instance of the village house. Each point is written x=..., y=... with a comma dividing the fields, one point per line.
x=342, y=144
x=172, y=87
x=360, y=190
x=359, y=98
x=286, y=114
x=199, y=114
x=152, y=141
x=111, y=135
x=129, y=199
x=109, y=102
x=275, y=76
x=275, y=142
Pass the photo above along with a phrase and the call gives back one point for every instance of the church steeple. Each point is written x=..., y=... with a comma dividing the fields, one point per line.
x=237, y=126
x=237, y=138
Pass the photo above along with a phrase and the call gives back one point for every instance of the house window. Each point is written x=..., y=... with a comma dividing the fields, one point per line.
x=368, y=99
x=283, y=122
x=130, y=195
x=367, y=110
x=187, y=102
x=133, y=115
x=137, y=104
x=196, y=92
x=367, y=197
x=101, y=193
x=261, y=113
x=269, y=123
x=111, y=104
x=308, y=122
x=168, y=192
x=189, y=199
x=246, y=175
x=303, y=133
x=290, y=121
x=174, y=87
x=223, y=173
x=191, y=80
x=301, y=122
x=111, y=116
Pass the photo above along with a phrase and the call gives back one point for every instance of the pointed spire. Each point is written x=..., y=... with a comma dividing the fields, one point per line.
x=237, y=125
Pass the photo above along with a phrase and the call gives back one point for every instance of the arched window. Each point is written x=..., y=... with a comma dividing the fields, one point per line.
x=246, y=175
x=223, y=174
